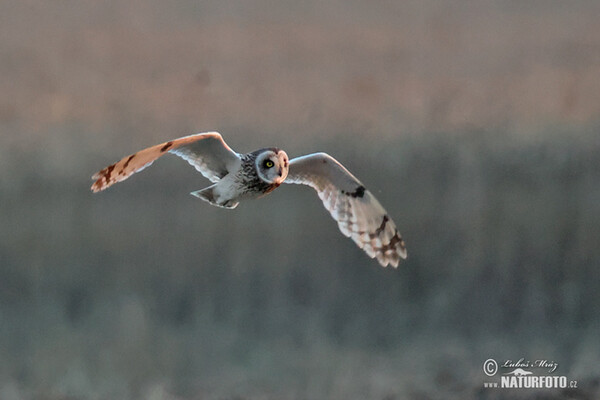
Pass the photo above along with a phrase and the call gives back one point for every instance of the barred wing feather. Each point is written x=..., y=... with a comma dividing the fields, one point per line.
x=358, y=213
x=207, y=152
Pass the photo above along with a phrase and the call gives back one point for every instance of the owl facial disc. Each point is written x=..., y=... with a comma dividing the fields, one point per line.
x=272, y=166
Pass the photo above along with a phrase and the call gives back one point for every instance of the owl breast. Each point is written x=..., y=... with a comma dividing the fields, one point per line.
x=251, y=185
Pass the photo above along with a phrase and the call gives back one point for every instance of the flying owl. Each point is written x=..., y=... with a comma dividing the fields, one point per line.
x=238, y=177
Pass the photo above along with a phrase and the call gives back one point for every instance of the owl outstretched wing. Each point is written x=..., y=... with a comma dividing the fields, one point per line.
x=207, y=152
x=358, y=213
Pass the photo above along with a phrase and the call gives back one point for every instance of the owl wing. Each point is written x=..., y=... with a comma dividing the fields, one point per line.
x=358, y=213
x=207, y=152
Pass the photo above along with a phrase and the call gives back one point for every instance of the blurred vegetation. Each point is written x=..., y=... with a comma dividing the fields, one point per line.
x=476, y=127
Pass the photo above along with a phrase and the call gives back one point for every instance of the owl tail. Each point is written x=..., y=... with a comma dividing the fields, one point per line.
x=208, y=195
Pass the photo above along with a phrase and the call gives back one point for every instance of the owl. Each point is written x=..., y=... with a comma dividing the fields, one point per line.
x=238, y=177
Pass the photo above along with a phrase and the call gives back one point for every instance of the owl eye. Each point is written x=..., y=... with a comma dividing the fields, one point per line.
x=268, y=164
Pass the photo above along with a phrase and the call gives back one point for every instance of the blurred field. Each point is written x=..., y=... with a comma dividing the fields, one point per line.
x=475, y=123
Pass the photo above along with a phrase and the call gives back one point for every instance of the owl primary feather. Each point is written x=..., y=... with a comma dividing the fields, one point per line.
x=237, y=177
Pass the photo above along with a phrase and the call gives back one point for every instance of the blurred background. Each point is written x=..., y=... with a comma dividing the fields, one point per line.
x=474, y=122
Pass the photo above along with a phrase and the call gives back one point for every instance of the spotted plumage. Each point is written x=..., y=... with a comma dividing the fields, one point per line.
x=248, y=178
x=237, y=177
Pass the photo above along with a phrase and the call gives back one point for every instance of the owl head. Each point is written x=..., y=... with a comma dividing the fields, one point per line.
x=272, y=165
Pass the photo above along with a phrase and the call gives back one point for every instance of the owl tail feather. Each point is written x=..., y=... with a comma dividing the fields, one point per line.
x=207, y=194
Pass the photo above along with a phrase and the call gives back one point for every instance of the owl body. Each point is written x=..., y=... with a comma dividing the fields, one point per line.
x=250, y=178
x=238, y=177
